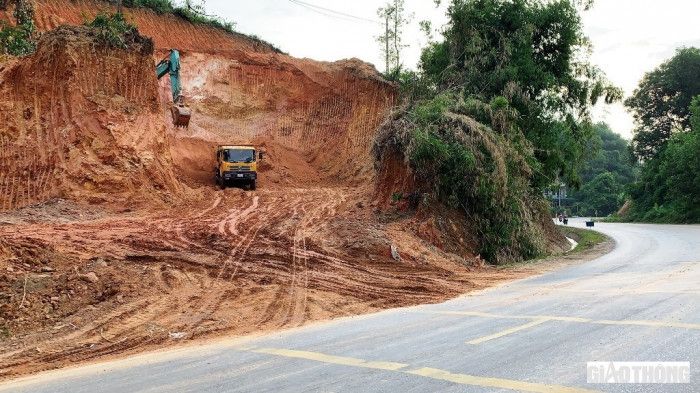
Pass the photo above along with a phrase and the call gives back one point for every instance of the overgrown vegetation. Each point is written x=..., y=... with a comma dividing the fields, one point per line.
x=113, y=30
x=19, y=40
x=666, y=108
x=189, y=10
x=605, y=176
x=669, y=188
x=159, y=6
x=498, y=111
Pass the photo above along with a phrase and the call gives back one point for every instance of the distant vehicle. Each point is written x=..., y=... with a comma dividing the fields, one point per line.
x=237, y=164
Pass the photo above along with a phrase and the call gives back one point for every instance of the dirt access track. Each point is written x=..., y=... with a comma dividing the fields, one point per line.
x=114, y=239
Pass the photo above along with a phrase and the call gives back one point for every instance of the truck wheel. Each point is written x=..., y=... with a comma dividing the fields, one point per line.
x=252, y=185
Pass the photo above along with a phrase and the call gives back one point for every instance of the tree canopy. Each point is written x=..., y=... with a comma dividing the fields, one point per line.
x=661, y=102
x=499, y=110
x=605, y=175
x=669, y=188
x=532, y=53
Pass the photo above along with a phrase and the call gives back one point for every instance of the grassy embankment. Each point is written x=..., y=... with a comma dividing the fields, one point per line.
x=586, y=238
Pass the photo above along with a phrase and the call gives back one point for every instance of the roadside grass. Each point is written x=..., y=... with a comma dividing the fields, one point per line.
x=585, y=238
x=614, y=218
x=587, y=241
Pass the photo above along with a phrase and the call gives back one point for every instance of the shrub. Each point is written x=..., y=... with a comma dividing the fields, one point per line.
x=159, y=6
x=113, y=30
x=16, y=41
x=19, y=40
x=470, y=167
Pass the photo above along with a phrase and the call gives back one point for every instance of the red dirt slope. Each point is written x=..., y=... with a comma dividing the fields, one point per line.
x=167, y=31
x=81, y=123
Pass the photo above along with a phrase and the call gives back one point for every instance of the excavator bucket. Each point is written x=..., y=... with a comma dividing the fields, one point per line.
x=181, y=115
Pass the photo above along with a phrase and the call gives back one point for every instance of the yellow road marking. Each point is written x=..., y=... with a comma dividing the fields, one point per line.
x=464, y=379
x=565, y=319
x=627, y=291
x=507, y=331
x=679, y=325
x=663, y=324
x=323, y=358
x=432, y=373
x=479, y=314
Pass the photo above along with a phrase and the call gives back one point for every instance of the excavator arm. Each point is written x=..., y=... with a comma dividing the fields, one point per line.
x=171, y=66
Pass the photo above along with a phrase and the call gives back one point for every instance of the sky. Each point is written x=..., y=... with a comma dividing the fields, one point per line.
x=630, y=37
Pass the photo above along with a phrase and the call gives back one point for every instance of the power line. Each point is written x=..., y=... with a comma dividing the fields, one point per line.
x=332, y=13
x=318, y=7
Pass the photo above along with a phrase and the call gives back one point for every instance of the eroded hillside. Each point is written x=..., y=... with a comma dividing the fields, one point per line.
x=113, y=238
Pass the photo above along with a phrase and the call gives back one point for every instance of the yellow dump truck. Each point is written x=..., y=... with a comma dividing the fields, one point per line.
x=237, y=164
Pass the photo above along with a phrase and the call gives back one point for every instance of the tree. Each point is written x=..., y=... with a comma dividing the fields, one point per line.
x=607, y=171
x=669, y=188
x=602, y=196
x=660, y=103
x=532, y=53
x=499, y=110
x=391, y=42
x=608, y=152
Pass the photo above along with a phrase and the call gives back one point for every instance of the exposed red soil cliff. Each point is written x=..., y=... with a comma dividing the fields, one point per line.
x=168, y=31
x=81, y=122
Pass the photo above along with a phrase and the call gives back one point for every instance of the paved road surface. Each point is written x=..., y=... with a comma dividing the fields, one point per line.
x=638, y=303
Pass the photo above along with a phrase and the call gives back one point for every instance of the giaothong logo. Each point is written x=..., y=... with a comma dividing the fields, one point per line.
x=638, y=372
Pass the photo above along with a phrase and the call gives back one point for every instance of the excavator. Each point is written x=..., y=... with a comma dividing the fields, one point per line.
x=171, y=65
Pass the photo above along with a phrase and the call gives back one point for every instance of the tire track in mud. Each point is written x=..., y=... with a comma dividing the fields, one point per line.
x=240, y=263
x=253, y=220
x=310, y=213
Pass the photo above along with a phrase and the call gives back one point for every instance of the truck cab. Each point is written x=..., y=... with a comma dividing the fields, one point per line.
x=237, y=164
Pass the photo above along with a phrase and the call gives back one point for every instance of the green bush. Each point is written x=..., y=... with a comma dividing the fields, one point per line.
x=19, y=40
x=194, y=17
x=469, y=167
x=16, y=41
x=428, y=112
x=159, y=6
x=113, y=30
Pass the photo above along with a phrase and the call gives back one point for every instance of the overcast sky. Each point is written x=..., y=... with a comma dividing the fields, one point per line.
x=630, y=37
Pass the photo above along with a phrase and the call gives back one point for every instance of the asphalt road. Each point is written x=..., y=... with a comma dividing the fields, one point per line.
x=638, y=303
